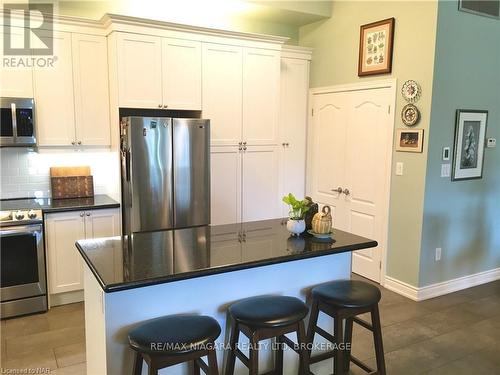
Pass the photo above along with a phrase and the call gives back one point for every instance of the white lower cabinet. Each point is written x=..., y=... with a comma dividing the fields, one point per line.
x=62, y=230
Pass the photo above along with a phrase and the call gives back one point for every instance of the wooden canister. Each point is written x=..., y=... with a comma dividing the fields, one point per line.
x=322, y=221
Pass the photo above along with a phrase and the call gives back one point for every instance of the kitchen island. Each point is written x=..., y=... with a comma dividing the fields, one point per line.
x=200, y=270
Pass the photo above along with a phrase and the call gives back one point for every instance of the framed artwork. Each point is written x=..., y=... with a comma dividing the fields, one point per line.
x=375, y=47
x=486, y=8
x=409, y=140
x=470, y=134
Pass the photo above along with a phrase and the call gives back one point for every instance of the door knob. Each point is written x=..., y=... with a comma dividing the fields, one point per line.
x=338, y=190
x=346, y=191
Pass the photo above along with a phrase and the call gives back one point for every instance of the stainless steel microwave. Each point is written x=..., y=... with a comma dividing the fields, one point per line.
x=17, y=122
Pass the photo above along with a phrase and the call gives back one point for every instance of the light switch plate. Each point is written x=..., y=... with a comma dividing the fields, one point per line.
x=399, y=168
x=445, y=170
x=446, y=153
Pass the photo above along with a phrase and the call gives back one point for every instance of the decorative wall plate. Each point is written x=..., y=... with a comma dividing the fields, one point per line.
x=410, y=115
x=411, y=91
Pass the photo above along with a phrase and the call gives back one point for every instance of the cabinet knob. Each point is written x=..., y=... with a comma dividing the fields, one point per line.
x=73, y=143
x=82, y=214
x=244, y=148
x=244, y=143
x=287, y=144
x=165, y=106
x=338, y=190
x=79, y=142
x=346, y=192
x=159, y=105
x=88, y=214
x=283, y=144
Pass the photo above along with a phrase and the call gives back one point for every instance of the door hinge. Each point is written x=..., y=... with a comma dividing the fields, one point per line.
x=312, y=111
x=380, y=265
x=389, y=109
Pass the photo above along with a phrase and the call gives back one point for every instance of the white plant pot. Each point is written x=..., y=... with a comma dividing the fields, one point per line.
x=296, y=227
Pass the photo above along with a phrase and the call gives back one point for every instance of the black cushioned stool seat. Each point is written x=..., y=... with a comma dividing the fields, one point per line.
x=345, y=300
x=174, y=339
x=265, y=317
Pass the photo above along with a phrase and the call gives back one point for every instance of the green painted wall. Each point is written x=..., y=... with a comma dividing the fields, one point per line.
x=463, y=217
x=335, y=61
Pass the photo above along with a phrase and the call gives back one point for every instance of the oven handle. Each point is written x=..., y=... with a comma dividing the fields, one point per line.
x=21, y=229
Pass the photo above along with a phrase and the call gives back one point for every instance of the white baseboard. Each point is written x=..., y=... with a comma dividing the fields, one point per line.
x=65, y=298
x=439, y=289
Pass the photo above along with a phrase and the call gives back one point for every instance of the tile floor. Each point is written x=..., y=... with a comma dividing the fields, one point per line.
x=456, y=334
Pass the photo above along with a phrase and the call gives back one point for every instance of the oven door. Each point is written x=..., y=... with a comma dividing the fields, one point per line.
x=22, y=262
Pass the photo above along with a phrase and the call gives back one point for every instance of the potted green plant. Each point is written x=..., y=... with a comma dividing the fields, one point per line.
x=296, y=224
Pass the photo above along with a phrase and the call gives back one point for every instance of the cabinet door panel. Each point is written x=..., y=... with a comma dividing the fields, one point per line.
x=222, y=85
x=293, y=119
x=225, y=185
x=90, y=72
x=181, y=70
x=54, y=99
x=261, y=80
x=102, y=223
x=139, y=71
x=260, y=197
x=65, y=271
x=16, y=82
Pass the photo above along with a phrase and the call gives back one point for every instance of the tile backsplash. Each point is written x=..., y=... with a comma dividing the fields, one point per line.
x=25, y=173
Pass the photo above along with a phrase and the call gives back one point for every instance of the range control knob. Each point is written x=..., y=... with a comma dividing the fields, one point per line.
x=32, y=214
x=19, y=215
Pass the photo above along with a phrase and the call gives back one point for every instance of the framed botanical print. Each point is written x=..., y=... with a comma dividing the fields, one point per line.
x=470, y=134
x=409, y=140
x=375, y=47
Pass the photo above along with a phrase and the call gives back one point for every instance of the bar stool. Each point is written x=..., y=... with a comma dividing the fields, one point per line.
x=344, y=300
x=175, y=339
x=265, y=317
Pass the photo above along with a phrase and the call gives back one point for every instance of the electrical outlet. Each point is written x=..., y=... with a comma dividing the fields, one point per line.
x=438, y=254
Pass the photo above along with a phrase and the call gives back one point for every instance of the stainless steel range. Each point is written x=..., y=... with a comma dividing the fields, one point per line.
x=23, y=285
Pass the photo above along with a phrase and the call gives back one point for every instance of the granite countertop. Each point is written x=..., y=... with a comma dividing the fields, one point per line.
x=150, y=258
x=49, y=205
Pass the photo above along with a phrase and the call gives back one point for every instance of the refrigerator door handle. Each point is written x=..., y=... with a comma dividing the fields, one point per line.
x=127, y=165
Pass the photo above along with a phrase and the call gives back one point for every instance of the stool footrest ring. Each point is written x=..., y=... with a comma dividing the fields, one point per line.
x=363, y=323
x=362, y=365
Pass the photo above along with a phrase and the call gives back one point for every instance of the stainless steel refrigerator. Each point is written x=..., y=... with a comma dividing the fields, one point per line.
x=165, y=173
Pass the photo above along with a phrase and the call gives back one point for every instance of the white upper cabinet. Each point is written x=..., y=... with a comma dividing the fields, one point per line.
x=15, y=82
x=181, y=70
x=90, y=77
x=222, y=92
x=55, y=112
x=139, y=71
x=261, y=82
x=293, y=119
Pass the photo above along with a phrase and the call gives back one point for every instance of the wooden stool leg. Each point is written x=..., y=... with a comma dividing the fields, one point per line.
x=303, y=350
x=233, y=342
x=338, y=364
x=152, y=368
x=212, y=362
x=138, y=363
x=348, y=342
x=377, y=340
x=313, y=321
x=196, y=367
x=254, y=355
x=278, y=356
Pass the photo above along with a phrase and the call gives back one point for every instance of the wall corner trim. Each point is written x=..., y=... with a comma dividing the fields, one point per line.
x=439, y=289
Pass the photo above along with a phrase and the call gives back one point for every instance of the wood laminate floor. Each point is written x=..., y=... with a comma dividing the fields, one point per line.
x=455, y=334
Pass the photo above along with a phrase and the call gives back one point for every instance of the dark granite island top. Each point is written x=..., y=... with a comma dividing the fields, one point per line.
x=49, y=205
x=142, y=259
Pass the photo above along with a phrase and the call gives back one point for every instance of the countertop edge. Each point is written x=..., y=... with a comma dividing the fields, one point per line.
x=78, y=208
x=219, y=270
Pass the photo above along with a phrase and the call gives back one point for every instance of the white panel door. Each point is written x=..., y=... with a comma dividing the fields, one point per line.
x=222, y=92
x=261, y=183
x=90, y=77
x=225, y=166
x=293, y=119
x=328, y=152
x=261, y=103
x=139, y=71
x=65, y=268
x=370, y=130
x=54, y=96
x=102, y=223
x=15, y=82
x=181, y=71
